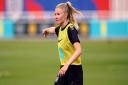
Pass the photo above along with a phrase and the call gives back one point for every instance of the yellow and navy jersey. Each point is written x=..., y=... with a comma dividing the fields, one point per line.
x=67, y=36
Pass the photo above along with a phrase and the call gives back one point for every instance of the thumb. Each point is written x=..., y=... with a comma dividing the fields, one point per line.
x=45, y=33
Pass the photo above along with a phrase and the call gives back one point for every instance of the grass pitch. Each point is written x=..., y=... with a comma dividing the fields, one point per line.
x=36, y=62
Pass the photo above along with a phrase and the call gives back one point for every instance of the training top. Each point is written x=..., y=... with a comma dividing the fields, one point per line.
x=67, y=36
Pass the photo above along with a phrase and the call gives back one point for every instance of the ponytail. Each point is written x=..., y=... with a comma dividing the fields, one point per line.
x=70, y=10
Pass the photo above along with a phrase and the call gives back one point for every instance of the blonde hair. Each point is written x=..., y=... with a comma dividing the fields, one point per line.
x=70, y=10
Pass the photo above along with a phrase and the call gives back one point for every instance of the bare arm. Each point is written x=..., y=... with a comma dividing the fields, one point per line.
x=46, y=31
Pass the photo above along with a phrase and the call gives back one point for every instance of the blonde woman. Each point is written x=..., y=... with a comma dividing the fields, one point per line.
x=70, y=72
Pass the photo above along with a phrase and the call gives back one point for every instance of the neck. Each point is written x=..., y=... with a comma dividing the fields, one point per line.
x=64, y=24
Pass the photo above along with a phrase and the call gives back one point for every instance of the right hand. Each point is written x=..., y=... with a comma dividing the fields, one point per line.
x=45, y=32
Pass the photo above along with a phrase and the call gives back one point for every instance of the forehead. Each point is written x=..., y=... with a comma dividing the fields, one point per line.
x=58, y=9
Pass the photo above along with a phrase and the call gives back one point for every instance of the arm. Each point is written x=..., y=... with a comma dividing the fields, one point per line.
x=46, y=31
x=76, y=54
x=73, y=37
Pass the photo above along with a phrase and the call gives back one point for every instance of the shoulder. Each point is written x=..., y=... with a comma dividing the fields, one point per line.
x=57, y=27
x=72, y=28
x=73, y=34
x=57, y=30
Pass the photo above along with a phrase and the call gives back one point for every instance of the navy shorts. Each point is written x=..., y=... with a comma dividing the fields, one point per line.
x=73, y=76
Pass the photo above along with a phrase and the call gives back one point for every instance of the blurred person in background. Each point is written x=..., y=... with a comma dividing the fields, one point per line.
x=70, y=72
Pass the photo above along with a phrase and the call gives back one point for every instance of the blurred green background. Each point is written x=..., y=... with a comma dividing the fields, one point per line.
x=36, y=62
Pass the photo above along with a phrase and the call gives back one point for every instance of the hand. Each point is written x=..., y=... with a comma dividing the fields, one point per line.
x=45, y=32
x=63, y=70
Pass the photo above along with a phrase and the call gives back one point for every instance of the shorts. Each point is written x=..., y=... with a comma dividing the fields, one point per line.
x=73, y=76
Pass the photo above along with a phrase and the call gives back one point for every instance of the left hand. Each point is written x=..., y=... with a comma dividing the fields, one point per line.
x=63, y=70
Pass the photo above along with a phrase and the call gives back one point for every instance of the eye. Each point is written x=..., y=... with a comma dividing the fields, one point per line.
x=57, y=14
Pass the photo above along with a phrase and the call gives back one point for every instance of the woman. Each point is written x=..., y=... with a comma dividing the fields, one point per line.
x=69, y=48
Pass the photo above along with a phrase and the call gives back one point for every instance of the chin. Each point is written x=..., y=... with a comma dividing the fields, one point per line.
x=57, y=23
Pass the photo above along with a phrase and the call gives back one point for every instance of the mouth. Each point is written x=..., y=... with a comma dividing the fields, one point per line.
x=57, y=20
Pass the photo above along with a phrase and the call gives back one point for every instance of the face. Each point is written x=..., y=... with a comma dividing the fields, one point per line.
x=59, y=16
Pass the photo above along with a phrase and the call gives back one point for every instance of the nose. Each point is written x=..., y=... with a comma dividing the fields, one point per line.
x=56, y=18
